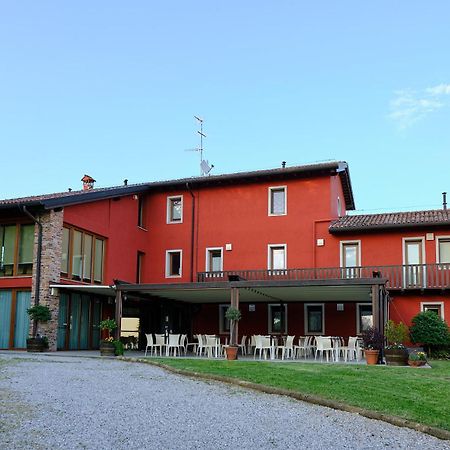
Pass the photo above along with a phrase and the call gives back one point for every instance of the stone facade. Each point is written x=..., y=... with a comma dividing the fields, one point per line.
x=52, y=231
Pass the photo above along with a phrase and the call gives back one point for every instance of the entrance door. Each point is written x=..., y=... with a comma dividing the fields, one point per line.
x=62, y=321
x=413, y=270
x=22, y=320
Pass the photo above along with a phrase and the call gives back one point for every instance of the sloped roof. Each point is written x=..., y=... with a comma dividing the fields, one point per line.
x=55, y=200
x=365, y=222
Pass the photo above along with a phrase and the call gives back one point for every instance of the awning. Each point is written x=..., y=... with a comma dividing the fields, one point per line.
x=109, y=291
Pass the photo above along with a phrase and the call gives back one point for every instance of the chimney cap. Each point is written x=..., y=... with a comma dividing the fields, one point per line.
x=87, y=179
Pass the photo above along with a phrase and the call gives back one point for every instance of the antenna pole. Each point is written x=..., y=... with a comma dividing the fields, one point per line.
x=202, y=135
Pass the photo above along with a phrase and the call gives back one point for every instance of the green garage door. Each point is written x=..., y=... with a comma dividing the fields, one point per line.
x=5, y=317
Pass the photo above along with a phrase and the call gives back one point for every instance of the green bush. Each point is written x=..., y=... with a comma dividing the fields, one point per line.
x=430, y=330
x=118, y=346
x=39, y=313
x=396, y=334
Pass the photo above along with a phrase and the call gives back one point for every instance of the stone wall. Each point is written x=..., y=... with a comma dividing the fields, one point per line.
x=52, y=228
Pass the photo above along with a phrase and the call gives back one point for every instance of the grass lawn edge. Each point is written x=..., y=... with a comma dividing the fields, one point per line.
x=314, y=399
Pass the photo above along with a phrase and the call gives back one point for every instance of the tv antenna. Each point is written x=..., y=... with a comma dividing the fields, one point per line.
x=205, y=168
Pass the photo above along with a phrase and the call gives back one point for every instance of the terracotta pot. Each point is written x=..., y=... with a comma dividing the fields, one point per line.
x=371, y=356
x=107, y=349
x=231, y=352
x=396, y=357
x=417, y=363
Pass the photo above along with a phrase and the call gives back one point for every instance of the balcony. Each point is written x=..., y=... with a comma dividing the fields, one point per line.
x=418, y=276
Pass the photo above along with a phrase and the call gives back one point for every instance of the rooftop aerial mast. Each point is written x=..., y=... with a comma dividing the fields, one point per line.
x=205, y=168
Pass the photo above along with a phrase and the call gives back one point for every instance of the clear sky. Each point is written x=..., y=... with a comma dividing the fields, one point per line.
x=110, y=88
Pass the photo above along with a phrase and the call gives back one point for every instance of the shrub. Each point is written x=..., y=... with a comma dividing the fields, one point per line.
x=396, y=334
x=430, y=330
x=118, y=347
x=39, y=313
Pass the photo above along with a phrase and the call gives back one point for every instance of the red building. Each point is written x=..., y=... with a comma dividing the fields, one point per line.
x=173, y=255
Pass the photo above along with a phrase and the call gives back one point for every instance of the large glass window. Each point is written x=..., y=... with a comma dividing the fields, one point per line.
x=364, y=317
x=314, y=319
x=82, y=255
x=444, y=251
x=277, y=201
x=16, y=249
x=277, y=318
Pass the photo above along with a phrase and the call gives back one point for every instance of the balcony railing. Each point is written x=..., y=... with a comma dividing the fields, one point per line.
x=417, y=276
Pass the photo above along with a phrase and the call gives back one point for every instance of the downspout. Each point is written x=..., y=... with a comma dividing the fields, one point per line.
x=192, y=230
x=38, y=262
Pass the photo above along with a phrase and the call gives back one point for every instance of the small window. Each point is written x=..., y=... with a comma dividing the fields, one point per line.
x=437, y=307
x=7, y=249
x=77, y=255
x=314, y=319
x=277, y=201
x=26, y=242
x=364, y=317
x=277, y=318
x=175, y=209
x=98, y=260
x=277, y=258
x=139, y=266
x=173, y=263
x=224, y=323
x=65, y=251
x=141, y=212
x=339, y=207
x=214, y=261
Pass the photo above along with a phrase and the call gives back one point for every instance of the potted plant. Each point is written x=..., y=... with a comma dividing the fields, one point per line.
x=107, y=347
x=38, y=313
x=395, y=352
x=373, y=343
x=233, y=315
x=417, y=359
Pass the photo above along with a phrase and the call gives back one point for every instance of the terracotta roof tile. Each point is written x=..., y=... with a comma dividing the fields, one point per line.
x=391, y=220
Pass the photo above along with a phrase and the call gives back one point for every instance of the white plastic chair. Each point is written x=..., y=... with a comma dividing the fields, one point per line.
x=351, y=351
x=324, y=345
x=262, y=343
x=288, y=348
x=152, y=345
x=242, y=345
x=183, y=343
x=160, y=341
x=212, y=346
x=174, y=344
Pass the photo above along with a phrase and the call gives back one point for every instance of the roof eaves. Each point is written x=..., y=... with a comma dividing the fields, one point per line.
x=361, y=228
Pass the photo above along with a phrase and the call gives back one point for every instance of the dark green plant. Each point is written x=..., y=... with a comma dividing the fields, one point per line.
x=372, y=339
x=118, y=347
x=396, y=334
x=429, y=330
x=39, y=313
x=417, y=356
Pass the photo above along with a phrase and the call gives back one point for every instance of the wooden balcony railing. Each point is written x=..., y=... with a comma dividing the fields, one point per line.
x=417, y=276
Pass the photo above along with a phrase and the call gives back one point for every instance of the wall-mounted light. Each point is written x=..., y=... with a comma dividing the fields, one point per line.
x=340, y=307
x=251, y=308
x=54, y=291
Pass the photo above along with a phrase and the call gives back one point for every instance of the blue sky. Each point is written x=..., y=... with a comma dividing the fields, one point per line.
x=110, y=88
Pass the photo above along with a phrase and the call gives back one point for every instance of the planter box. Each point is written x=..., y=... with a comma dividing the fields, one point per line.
x=396, y=357
x=417, y=363
x=36, y=345
x=107, y=349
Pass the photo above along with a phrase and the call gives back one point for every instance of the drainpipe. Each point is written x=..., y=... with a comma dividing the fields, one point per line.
x=38, y=262
x=192, y=230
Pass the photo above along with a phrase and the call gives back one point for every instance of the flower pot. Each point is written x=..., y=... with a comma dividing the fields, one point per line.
x=418, y=363
x=107, y=349
x=231, y=352
x=396, y=356
x=36, y=344
x=371, y=356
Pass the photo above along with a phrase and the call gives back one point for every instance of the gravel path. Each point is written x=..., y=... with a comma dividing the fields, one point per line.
x=80, y=403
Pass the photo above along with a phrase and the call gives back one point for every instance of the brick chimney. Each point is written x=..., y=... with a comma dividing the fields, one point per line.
x=88, y=183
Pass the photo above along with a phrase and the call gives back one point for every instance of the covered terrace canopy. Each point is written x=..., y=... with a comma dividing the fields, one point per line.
x=366, y=290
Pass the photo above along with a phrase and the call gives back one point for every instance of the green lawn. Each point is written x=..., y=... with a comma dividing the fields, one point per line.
x=420, y=395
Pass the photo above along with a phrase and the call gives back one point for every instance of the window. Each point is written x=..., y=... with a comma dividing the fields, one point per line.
x=277, y=318
x=139, y=265
x=364, y=317
x=82, y=256
x=277, y=201
x=173, y=263
x=350, y=258
x=413, y=257
x=16, y=249
x=277, y=258
x=443, y=252
x=141, y=212
x=175, y=209
x=224, y=323
x=339, y=207
x=214, y=260
x=437, y=307
x=314, y=318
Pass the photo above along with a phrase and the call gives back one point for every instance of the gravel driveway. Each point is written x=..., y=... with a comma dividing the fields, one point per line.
x=82, y=403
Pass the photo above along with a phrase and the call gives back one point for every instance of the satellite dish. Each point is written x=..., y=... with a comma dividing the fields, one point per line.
x=205, y=167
